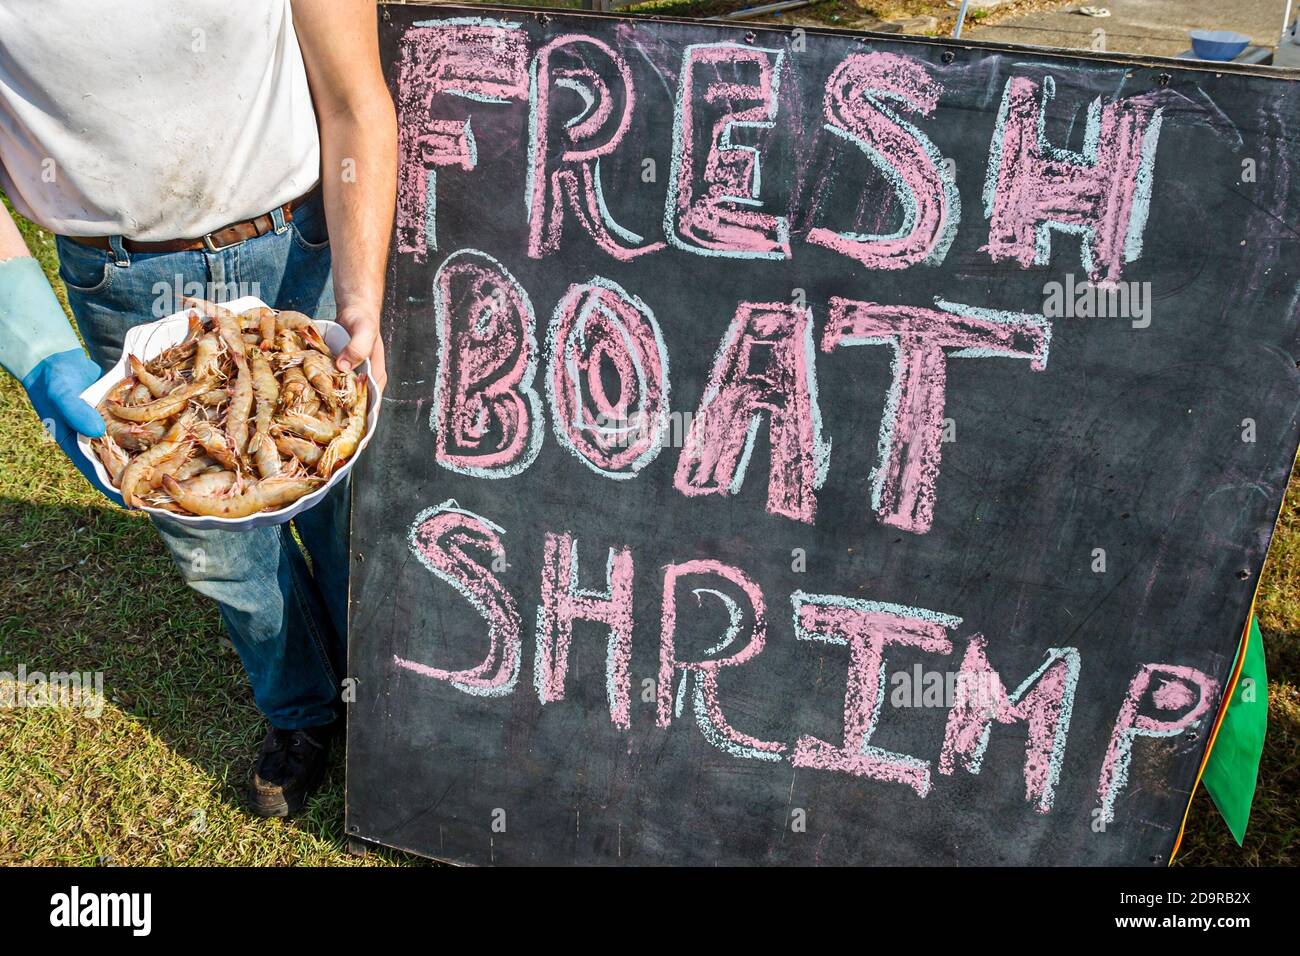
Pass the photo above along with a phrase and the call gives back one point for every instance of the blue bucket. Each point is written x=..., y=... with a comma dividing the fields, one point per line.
x=1219, y=45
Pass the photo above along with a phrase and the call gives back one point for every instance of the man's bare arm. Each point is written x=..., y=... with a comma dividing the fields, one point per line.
x=358, y=132
x=40, y=349
x=11, y=240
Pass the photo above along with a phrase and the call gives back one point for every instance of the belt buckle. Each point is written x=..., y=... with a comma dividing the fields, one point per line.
x=211, y=246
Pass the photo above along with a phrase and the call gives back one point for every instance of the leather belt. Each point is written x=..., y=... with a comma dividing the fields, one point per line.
x=223, y=238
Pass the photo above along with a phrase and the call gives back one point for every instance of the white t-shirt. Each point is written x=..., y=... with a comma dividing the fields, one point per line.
x=152, y=119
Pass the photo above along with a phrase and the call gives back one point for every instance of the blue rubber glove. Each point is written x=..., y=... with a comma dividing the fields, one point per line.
x=39, y=348
x=53, y=387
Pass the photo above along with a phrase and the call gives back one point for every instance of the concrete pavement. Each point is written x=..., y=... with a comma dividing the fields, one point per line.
x=1156, y=27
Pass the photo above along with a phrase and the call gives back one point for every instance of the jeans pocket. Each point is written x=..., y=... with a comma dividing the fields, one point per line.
x=308, y=226
x=83, y=268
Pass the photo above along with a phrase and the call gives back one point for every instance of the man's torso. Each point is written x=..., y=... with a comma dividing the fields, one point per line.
x=157, y=119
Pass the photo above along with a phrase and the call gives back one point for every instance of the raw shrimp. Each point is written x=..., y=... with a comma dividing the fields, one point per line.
x=164, y=502
x=117, y=393
x=195, y=466
x=173, y=463
x=267, y=391
x=297, y=322
x=170, y=404
x=347, y=392
x=289, y=341
x=112, y=456
x=296, y=393
x=247, y=413
x=134, y=436
x=312, y=339
x=228, y=325
x=264, y=322
x=140, y=471
x=289, y=319
x=320, y=372
x=210, y=483
x=207, y=356
x=314, y=428
x=342, y=447
x=269, y=493
x=168, y=359
x=157, y=384
x=241, y=405
x=307, y=452
x=215, y=443
x=217, y=396
x=285, y=359
x=171, y=357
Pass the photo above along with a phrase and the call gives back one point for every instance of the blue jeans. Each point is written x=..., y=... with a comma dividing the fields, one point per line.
x=287, y=620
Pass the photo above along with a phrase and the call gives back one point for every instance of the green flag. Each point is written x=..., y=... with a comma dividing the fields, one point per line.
x=1234, y=762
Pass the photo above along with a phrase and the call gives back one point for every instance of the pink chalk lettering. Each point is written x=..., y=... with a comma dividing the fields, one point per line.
x=1176, y=688
x=564, y=163
x=911, y=430
x=721, y=219
x=764, y=365
x=599, y=326
x=564, y=602
x=479, y=60
x=459, y=548
x=486, y=415
x=1102, y=193
x=1043, y=703
x=862, y=97
x=867, y=628
x=708, y=709
x=1172, y=695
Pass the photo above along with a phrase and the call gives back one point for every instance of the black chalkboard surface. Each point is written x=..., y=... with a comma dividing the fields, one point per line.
x=812, y=448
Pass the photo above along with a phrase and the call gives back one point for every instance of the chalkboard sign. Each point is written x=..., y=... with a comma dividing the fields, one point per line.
x=803, y=447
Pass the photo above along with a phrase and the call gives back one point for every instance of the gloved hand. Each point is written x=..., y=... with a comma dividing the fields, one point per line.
x=39, y=348
x=53, y=386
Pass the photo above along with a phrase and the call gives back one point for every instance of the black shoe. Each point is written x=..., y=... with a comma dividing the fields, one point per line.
x=289, y=768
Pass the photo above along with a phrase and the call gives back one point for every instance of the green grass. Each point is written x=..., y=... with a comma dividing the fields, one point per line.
x=157, y=778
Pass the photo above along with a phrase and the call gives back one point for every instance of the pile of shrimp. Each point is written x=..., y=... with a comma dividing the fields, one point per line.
x=247, y=414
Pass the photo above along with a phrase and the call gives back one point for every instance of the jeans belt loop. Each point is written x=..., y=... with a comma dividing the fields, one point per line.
x=120, y=256
x=278, y=220
x=212, y=247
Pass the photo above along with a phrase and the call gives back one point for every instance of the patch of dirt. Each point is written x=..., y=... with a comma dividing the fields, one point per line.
x=913, y=17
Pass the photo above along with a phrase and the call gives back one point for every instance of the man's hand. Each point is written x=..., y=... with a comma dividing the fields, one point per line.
x=39, y=348
x=358, y=139
x=366, y=343
x=54, y=387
